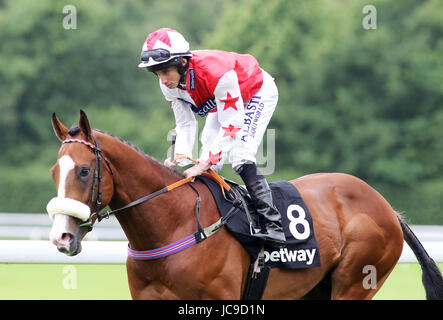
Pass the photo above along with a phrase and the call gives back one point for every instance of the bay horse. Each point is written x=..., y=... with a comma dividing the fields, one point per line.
x=354, y=225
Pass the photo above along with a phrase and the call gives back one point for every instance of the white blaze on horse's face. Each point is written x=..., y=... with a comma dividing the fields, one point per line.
x=61, y=210
x=61, y=205
x=66, y=164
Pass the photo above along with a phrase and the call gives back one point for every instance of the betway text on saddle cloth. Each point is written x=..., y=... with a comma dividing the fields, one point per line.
x=285, y=255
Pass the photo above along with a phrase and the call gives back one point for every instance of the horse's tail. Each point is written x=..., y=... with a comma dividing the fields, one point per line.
x=432, y=277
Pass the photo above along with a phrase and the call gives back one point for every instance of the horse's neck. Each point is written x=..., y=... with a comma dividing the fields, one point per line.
x=133, y=168
x=147, y=225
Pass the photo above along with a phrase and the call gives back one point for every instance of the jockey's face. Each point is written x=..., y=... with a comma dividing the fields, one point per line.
x=169, y=77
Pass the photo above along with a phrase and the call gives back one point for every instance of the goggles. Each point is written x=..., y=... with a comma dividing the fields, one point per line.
x=159, y=55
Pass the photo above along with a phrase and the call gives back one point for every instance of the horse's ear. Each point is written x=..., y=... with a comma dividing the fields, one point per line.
x=59, y=128
x=83, y=124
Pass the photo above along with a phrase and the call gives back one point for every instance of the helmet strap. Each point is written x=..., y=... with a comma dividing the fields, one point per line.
x=182, y=70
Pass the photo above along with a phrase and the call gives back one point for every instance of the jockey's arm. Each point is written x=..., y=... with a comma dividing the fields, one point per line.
x=230, y=114
x=186, y=128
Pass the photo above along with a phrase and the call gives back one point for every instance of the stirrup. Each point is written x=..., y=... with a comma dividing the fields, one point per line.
x=278, y=242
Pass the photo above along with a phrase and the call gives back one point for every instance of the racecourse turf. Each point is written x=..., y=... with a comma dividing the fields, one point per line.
x=99, y=281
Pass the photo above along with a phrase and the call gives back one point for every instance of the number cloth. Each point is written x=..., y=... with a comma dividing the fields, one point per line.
x=301, y=250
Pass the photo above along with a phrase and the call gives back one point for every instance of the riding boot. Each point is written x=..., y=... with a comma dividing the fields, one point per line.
x=260, y=193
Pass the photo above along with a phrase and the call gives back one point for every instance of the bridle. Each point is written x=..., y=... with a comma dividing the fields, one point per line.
x=97, y=183
x=197, y=237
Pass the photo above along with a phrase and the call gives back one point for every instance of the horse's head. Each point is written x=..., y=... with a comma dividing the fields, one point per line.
x=84, y=185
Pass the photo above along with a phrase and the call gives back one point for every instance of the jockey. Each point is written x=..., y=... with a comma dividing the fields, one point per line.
x=238, y=99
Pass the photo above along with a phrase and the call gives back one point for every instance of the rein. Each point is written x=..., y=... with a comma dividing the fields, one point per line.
x=200, y=235
x=98, y=182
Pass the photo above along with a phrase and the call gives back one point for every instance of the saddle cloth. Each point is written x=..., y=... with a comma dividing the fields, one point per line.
x=301, y=250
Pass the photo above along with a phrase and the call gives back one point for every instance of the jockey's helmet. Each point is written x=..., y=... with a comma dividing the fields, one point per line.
x=163, y=48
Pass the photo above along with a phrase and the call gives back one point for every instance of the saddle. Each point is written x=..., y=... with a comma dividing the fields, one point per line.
x=236, y=208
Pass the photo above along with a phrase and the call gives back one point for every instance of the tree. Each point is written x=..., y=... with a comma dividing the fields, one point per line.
x=46, y=68
x=365, y=102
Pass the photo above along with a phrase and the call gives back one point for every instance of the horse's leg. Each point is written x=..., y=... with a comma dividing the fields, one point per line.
x=142, y=287
x=369, y=254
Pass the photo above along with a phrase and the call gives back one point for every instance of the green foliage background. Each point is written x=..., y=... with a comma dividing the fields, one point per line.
x=364, y=102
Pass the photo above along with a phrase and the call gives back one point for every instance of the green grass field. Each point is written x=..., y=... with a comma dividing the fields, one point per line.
x=95, y=281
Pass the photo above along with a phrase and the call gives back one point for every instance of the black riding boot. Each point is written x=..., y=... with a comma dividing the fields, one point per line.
x=260, y=192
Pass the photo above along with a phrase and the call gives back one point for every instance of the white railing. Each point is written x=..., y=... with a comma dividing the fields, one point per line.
x=43, y=251
x=36, y=226
x=25, y=240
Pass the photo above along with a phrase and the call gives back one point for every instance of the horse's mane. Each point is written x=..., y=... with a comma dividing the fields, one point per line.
x=128, y=144
x=74, y=130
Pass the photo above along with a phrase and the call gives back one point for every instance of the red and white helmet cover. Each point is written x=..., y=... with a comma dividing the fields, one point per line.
x=165, y=38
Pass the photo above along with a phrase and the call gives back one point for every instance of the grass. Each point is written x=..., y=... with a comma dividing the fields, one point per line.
x=109, y=282
x=59, y=281
x=404, y=283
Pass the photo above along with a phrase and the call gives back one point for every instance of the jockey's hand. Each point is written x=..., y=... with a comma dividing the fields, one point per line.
x=198, y=169
x=172, y=164
x=169, y=163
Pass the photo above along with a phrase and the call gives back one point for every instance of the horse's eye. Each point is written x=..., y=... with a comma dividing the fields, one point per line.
x=84, y=171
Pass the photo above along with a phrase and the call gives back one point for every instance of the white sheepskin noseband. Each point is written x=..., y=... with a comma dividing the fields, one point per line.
x=68, y=207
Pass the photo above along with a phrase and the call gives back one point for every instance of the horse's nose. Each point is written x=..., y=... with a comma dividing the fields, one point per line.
x=66, y=237
x=61, y=234
x=63, y=240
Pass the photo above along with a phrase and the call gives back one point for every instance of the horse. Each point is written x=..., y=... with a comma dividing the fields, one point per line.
x=355, y=227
